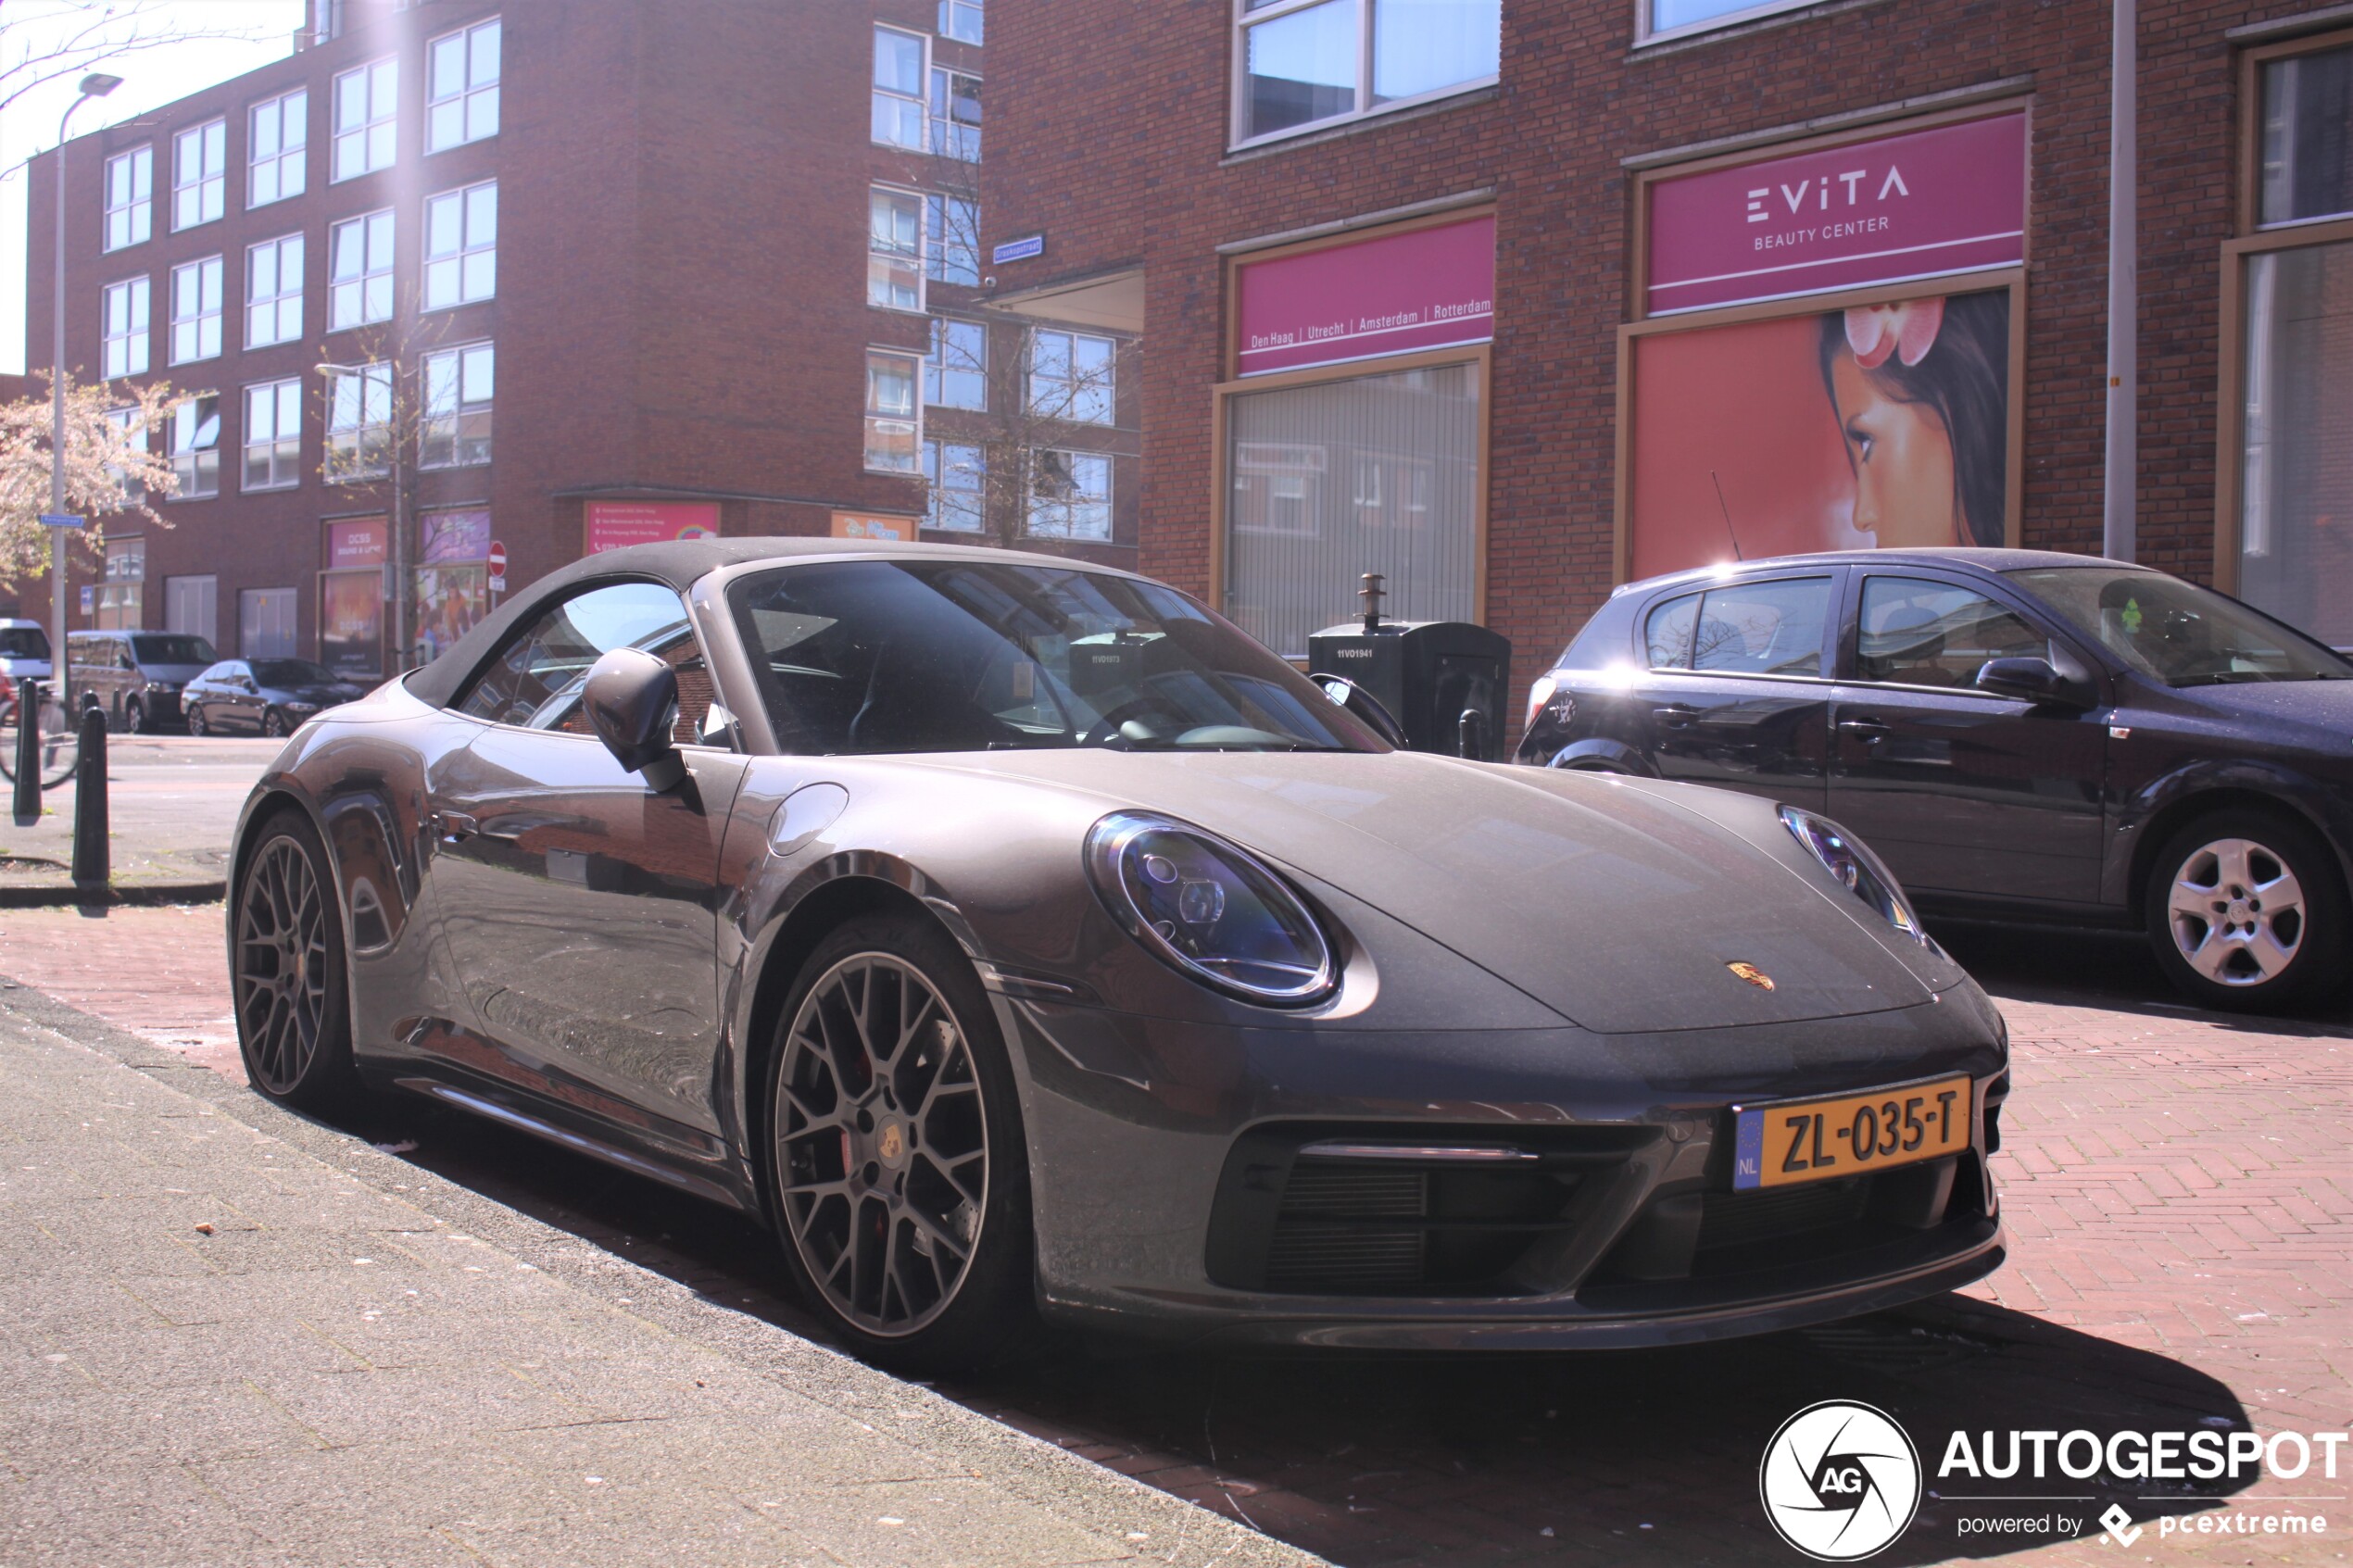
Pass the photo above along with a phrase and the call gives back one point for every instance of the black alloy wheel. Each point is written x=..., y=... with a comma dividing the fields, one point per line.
x=273, y=725
x=135, y=717
x=897, y=1173
x=293, y=1008
x=2246, y=913
x=196, y=726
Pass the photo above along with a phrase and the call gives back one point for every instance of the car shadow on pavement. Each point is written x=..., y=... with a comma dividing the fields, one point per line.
x=1644, y=1455
x=2112, y=970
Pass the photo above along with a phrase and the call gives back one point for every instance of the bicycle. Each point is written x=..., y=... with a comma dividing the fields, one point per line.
x=59, y=740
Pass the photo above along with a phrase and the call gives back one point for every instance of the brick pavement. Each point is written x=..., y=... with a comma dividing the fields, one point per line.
x=2176, y=1183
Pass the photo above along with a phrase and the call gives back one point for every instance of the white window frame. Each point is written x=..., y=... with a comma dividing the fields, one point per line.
x=921, y=97
x=290, y=158
x=951, y=10
x=136, y=209
x=283, y=459
x=1063, y=410
x=936, y=369
x=469, y=95
x=382, y=125
x=938, y=228
x=461, y=410
x=348, y=440
x=276, y=303
x=934, y=486
x=187, y=462
x=459, y=262
x=1749, y=13
x=203, y=323
x=881, y=263
x=942, y=133
x=1031, y=503
x=1238, y=88
x=138, y=328
x=127, y=421
x=372, y=286
x=877, y=417
x=209, y=187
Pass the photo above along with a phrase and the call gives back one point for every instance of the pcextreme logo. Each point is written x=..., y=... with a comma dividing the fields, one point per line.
x=1840, y=1480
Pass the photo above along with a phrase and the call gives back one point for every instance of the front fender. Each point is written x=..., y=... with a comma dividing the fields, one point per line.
x=2151, y=812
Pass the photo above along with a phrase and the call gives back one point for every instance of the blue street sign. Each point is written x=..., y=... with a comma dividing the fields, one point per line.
x=63, y=519
x=1018, y=250
x=88, y=598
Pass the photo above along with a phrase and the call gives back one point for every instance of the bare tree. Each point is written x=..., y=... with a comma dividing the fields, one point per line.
x=45, y=40
x=111, y=467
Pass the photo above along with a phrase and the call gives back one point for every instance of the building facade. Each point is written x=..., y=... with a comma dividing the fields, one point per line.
x=1513, y=302
x=462, y=282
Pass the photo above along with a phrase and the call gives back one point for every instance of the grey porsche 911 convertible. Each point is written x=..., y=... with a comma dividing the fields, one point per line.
x=1016, y=935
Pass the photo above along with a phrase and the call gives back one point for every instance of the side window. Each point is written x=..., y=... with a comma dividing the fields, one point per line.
x=1763, y=628
x=1666, y=635
x=536, y=681
x=1922, y=634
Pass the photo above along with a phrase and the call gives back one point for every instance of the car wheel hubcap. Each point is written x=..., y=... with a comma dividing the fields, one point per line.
x=882, y=1144
x=281, y=965
x=2236, y=912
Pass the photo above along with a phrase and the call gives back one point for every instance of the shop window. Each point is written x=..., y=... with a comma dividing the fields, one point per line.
x=195, y=311
x=462, y=93
x=360, y=271
x=367, y=107
x=956, y=371
x=957, y=475
x=2295, y=490
x=273, y=435
x=1298, y=544
x=195, y=446
x=131, y=181
x=273, y=292
x=359, y=422
x=124, y=335
x=894, y=427
x=960, y=19
x=894, y=249
x=1071, y=377
x=955, y=115
x=901, y=61
x=277, y=149
x=199, y=174
x=2307, y=137
x=266, y=623
x=1306, y=63
x=952, y=231
x=462, y=246
x=1069, y=495
x=456, y=393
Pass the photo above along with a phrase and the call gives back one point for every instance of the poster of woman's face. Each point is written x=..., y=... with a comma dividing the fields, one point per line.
x=1883, y=426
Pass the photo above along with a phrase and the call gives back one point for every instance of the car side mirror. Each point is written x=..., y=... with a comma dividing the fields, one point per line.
x=2036, y=680
x=1364, y=707
x=632, y=701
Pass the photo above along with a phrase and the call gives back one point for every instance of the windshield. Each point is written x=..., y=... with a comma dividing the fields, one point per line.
x=2177, y=632
x=291, y=673
x=857, y=656
x=154, y=650
x=23, y=642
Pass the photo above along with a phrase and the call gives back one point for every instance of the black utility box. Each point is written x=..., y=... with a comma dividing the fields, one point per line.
x=1428, y=673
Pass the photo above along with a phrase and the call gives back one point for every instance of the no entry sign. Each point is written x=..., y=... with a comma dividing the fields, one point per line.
x=497, y=559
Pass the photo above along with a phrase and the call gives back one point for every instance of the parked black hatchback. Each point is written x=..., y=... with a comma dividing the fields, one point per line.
x=2020, y=735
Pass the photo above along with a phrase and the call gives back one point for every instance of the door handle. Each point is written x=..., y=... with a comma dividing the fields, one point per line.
x=1871, y=731
x=1675, y=715
x=451, y=827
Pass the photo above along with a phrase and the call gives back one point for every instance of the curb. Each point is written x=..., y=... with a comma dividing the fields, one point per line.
x=135, y=893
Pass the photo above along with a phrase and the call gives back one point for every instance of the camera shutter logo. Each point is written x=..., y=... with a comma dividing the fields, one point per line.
x=1840, y=1480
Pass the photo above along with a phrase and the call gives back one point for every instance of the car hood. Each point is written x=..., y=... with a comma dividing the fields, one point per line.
x=2320, y=712
x=1619, y=908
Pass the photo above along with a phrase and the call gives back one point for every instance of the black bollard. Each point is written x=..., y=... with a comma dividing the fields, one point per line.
x=90, y=849
x=28, y=801
x=1470, y=735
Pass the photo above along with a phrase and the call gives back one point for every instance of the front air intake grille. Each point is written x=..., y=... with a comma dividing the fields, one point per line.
x=1749, y=1219
x=1328, y=1235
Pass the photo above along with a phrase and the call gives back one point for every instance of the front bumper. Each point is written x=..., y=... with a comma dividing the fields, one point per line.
x=1186, y=1184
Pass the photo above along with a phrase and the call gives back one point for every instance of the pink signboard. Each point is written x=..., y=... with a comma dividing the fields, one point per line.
x=1426, y=288
x=612, y=524
x=359, y=542
x=1922, y=204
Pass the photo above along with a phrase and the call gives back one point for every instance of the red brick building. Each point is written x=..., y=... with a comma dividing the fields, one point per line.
x=1513, y=301
x=558, y=275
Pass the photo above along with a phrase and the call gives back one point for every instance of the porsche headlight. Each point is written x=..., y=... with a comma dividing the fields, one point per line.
x=1845, y=858
x=1209, y=909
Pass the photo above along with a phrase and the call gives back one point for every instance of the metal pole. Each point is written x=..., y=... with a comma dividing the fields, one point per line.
x=2119, y=512
x=98, y=84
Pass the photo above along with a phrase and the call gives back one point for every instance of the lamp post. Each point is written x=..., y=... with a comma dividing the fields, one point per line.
x=98, y=84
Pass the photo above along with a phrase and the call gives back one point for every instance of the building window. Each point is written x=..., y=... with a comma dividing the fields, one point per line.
x=358, y=422
x=2307, y=137
x=360, y=271
x=456, y=424
x=462, y=246
x=955, y=115
x=1071, y=377
x=1069, y=495
x=1303, y=63
x=273, y=292
x=951, y=228
x=125, y=317
x=134, y=436
x=894, y=249
x=196, y=310
x=195, y=446
x=899, y=64
x=199, y=174
x=1660, y=18
x=131, y=179
x=956, y=371
x=956, y=476
x=960, y=19
x=461, y=99
x=273, y=435
x=367, y=110
x=278, y=149
x=894, y=425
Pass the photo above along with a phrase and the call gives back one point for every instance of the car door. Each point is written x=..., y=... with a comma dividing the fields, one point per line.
x=1736, y=695
x=1962, y=791
x=580, y=904
x=246, y=699
x=225, y=707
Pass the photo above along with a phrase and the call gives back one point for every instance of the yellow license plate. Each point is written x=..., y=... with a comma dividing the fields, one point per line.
x=1817, y=1140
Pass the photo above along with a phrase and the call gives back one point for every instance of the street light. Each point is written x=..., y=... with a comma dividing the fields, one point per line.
x=98, y=84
